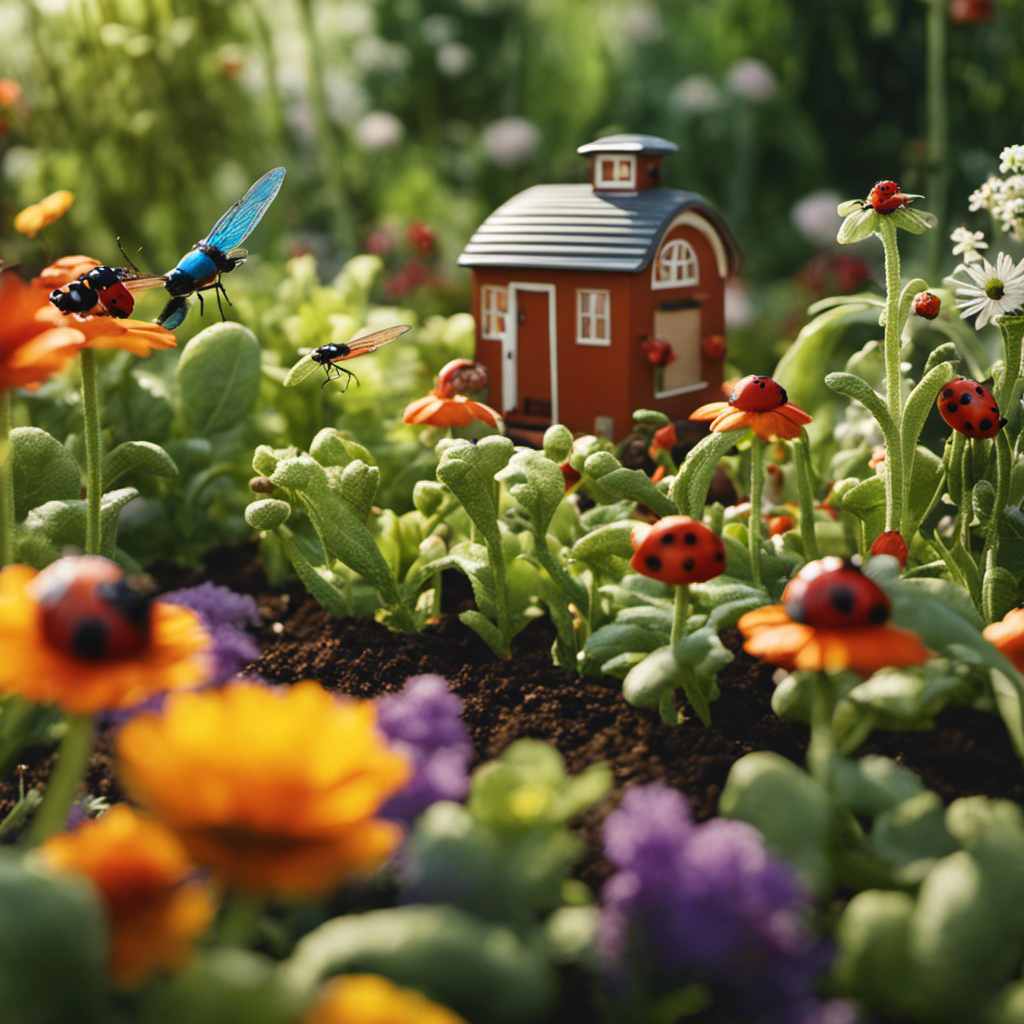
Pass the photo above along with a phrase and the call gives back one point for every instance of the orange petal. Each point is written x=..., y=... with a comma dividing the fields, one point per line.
x=709, y=411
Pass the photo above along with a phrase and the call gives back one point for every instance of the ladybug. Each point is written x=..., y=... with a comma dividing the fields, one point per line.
x=88, y=610
x=833, y=593
x=758, y=394
x=886, y=197
x=677, y=550
x=927, y=305
x=969, y=407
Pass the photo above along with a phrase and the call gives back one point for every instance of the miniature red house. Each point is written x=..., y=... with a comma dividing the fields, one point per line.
x=572, y=284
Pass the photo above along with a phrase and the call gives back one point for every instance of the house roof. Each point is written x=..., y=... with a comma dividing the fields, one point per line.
x=574, y=227
x=630, y=143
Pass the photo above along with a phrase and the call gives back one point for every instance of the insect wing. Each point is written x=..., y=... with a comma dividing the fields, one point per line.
x=173, y=313
x=372, y=342
x=239, y=221
x=142, y=282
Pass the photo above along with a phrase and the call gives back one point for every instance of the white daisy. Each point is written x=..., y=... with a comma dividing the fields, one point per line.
x=968, y=243
x=991, y=291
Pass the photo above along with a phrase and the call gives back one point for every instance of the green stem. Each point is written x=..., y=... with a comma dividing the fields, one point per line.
x=893, y=380
x=1012, y=330
x=756, y=488
x=822, y=746
x=67, y=776
x=6, y=482
x=938, y=128
x=805, y=494
x=680, y=613
x=93, y=451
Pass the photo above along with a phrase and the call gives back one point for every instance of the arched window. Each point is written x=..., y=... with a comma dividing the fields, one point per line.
x=676, y=265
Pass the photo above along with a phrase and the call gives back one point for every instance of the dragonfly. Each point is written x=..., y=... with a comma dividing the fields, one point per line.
x=202, y=267
x=331, y=355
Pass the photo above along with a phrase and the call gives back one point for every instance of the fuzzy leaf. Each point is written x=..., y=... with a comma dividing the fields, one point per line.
x=330, y=448
x=858, y=225
x=42, y=470
x=267, y=514
x=218, y=378
x=141, y=456
x=469, y=471
x=605, y=544
x=914, y=221
x=537, y=484
x=557, y=442
x=690, y=490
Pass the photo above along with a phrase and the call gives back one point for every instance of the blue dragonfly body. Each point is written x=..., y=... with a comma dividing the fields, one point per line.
x=201, y=268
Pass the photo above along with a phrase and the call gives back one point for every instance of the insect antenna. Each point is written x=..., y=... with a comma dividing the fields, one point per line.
x=127, y=258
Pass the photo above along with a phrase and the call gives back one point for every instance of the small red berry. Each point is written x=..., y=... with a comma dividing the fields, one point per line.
x=713, y=346
x=927, y=305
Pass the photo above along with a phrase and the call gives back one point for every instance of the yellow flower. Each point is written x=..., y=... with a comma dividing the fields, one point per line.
x=371, y=999
x=155, y=908
x=39, y=215
x=64, y=645
x=35, y=340
x=274, y=789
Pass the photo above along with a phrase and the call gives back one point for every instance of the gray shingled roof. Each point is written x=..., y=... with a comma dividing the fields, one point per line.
x=629, y=143
x=574, y=227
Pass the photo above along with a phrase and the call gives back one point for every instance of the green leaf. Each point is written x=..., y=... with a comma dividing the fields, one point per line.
x=53, y=948
x=267, y=513
x=873, y=783
x=914, y=221
x=866, y=501
x=483, y=972
x=631, y=484
x=537, y=484
x=855, y=387
x=919, y=405
x=912, y=835
x=331, y=448
x=218, y=378
x=63, y=522
x=42, y=470
x=907, y=697
x=690, y=489
x=793, y=812
x=140, y=407
x=858, y=225
x=606, y=546
x=224, y=986
x=141, y=456
x=469, y=471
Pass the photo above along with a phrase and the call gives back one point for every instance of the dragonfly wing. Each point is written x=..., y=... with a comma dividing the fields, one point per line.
x=372, y=342
x=142, y=282
x=173, y=313
x=237, y=224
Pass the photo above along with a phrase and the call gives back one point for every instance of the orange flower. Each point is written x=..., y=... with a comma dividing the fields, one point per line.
x=35, y=340
x=447, y=405
x=274, y=789
x=664, y=440
x=136, y=336
x=371, y=999
x=41, y=666
x=39, y=215
x=10, y=92
x=773, y=636
x=877, y=456
x=891, y=543
x=155, y=908
x=1008, y=635
x=759, y=403
x=780, y=524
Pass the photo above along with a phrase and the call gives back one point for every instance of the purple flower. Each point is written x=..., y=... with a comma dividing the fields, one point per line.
x=424, y=722
x=708, y=903
x=223, y=613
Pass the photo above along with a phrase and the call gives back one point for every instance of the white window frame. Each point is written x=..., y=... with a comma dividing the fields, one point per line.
x=682, y=263
x=600, y=323
x=493, y=319
x=617, y=162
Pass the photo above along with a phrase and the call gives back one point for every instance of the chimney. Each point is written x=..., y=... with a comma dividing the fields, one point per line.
x=626, y=163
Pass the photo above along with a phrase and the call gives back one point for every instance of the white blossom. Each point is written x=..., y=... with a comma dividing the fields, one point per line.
x=752, y=79
x=696, y=94
x=815, y=217
x=511, y=141
x=379, y=129
x=990, y=290
x=968, y=243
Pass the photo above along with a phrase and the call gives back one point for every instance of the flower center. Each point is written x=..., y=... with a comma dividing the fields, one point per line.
x=994, y=288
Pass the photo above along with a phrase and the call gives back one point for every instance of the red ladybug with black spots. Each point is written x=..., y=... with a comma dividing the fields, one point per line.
x=833, y=593
x=677, y=550
x=88, y=610
x=758, y=394
x=886, y=197
x=969, y=407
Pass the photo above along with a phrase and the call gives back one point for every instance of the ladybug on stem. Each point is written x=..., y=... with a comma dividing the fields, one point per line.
x=832, y=593
x=969, y=407
x=88, y=610
x=886, y=197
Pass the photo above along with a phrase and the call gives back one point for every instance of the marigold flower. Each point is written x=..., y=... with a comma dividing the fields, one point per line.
x=447, y=405
x=891, y=543
x=39, y=215
x=1008, y=635
x=42, y=670
x=136, y=336
x=773, y=636
x=371, y=999
x=35, y=340
x=759, y=403
x=276, y=790
x=155, y=908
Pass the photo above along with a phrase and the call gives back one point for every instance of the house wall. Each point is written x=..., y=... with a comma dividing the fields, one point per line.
x=603, y=381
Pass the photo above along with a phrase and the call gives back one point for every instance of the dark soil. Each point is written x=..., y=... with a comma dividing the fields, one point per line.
x=525, y=695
